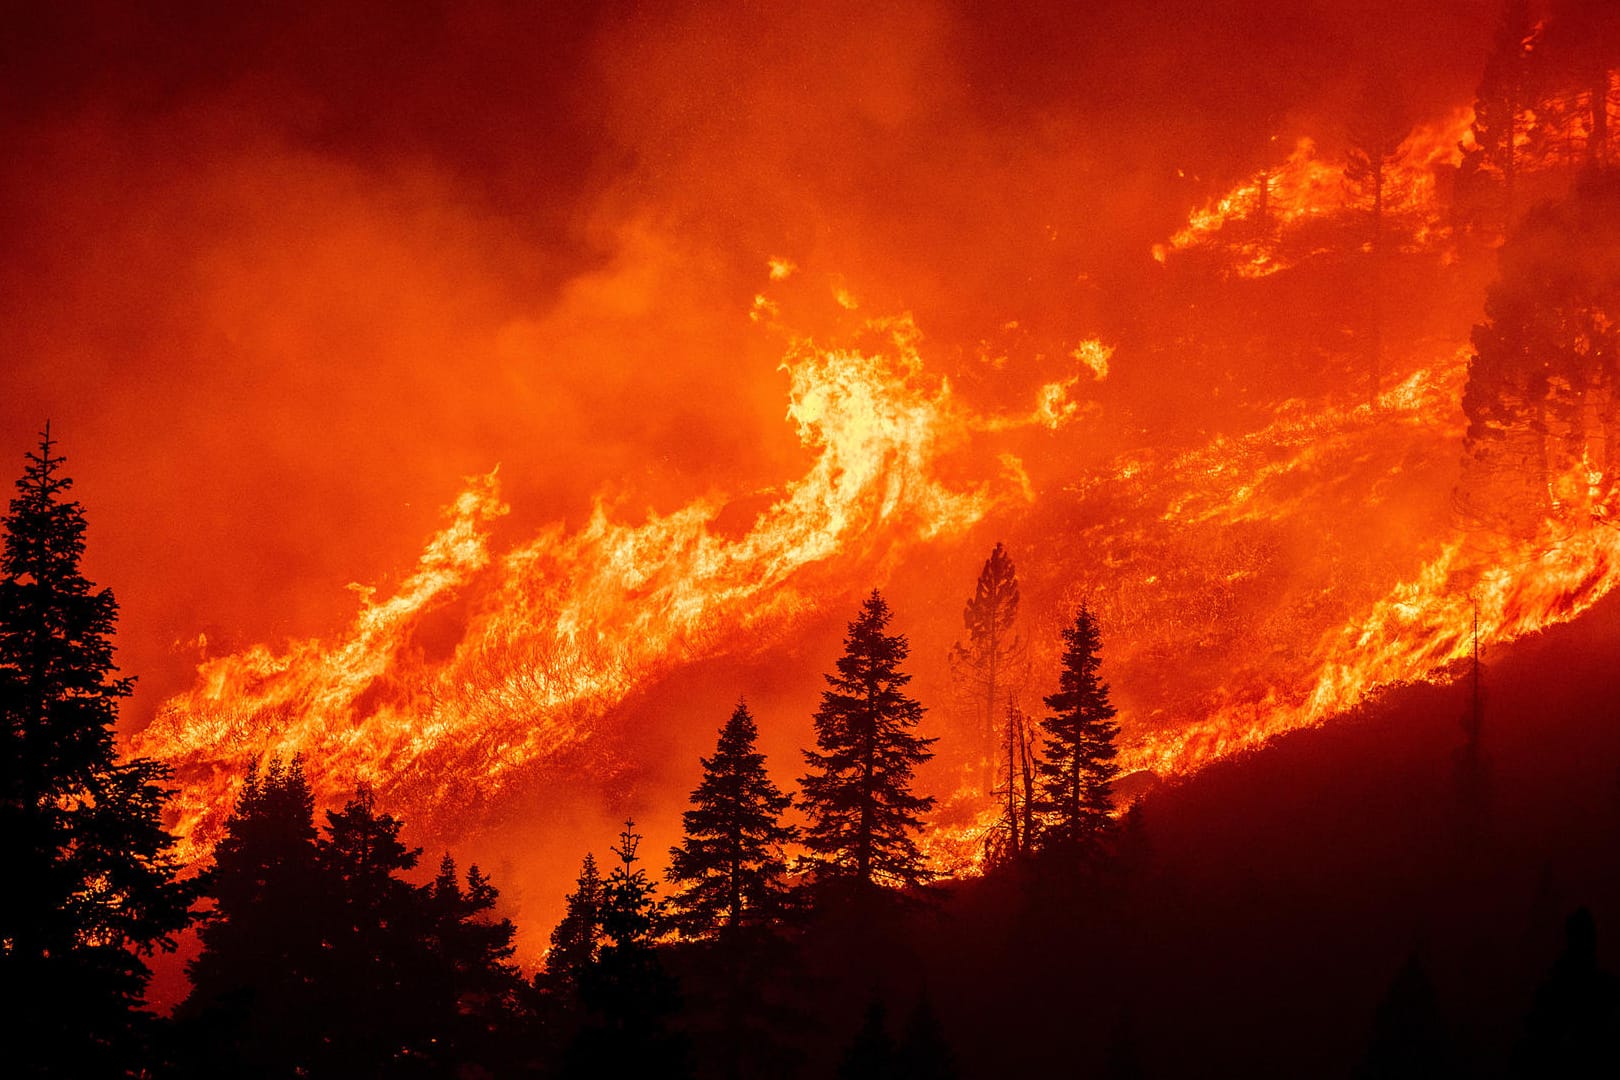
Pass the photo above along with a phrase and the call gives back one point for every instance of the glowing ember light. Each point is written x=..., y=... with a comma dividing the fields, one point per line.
x=1095, y=355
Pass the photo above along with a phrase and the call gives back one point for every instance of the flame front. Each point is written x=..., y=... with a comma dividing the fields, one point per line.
x=562, y=627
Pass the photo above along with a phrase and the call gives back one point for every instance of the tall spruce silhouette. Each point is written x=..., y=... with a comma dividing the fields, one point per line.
x=576, y=939
x=1078, y=769
x=858, y=795
x=91, y=885
x=730, y=860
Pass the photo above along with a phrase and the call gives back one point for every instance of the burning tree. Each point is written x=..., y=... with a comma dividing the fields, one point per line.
x=91, y=883
x=989, y=661
x=858, y=794
x=1078, y=772
x=731, y=860
x=1543, y=393
x=1499, y=104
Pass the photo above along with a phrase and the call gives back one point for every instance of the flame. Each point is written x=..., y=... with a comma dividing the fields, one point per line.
x=560, y=628
x=1253, y=217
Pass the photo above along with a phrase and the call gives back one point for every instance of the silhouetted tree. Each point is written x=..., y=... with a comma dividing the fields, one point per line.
x=1504, y=89
x=1015, y=829
x=627, y=992
x=473, y=948
x=1078, y=769
x=252, y=1010
x=988, y=663
x=1574, y=1026
x=386, y=1003
x=871, y=1054
x=858, y=795
x=1541, y=398
x=91, y=883
x=1409, y=1040
x=1377, y=144
x=731, y=860
x=576, y=939
x=924, y=1053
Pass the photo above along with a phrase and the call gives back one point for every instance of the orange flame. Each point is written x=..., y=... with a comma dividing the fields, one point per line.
x=565, y=625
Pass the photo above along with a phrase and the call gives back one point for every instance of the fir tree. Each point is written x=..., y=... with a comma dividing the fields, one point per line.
x=91, y=878
x=627, y=992
x=473, y=949
x=989, y=662
x=251, y=1011
x=1078, y=771
x=730, y=860
x=858, y=794
x=576, y=939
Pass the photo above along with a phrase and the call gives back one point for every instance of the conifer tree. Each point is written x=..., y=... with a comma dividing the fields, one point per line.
x=91, y=885
x=988, y=663
x=576, y=939
x=1078, y=771
x=262, y=946
x=473, y=949
x=731, y=860
x=628, y=993
x=858, y=795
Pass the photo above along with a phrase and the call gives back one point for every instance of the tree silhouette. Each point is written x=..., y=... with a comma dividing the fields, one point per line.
x=91, y=887
x=1377, y=144
x=627, y=992
x=1015, y=793
x=1571, y=1027
x=858, y=794
x=251, y=1010
x=576, y=939
x=871, y=1054
x=1503, y=95
x=988, y=662
x=323, y=959
x=474, y=950
x=1409, y=1037
x=924, y=1052
x=1078, y=771
x=730, y=860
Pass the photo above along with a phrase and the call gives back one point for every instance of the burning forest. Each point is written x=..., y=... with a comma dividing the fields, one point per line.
x=703, y=541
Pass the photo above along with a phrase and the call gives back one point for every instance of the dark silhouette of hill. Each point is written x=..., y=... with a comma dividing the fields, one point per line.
x=1311, y=908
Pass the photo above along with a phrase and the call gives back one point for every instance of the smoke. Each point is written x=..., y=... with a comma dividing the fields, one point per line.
x=283, y=277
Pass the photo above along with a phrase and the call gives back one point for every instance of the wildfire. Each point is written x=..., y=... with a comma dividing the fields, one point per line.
x=1255, y=217
x=562, y=627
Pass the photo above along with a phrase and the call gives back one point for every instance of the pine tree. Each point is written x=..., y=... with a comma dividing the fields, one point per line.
x=858, y=794
x=730, y=860
x=989, y=662
x=1078, y=771
x=91, y=877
